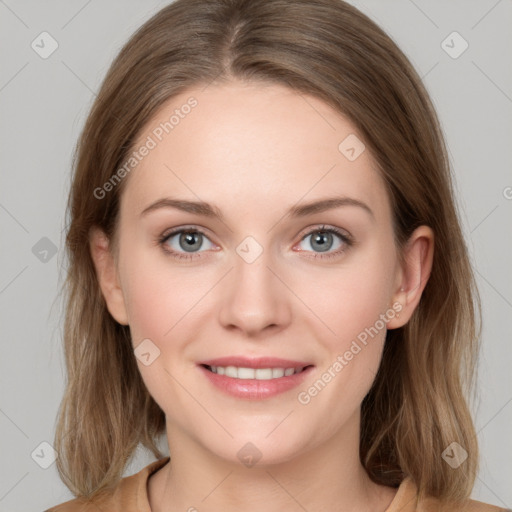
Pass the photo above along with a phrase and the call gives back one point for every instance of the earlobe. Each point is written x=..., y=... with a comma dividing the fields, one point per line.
x=418, y=258
x=106, y=273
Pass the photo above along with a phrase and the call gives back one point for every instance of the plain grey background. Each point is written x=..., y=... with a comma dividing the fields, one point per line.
x=44, y=102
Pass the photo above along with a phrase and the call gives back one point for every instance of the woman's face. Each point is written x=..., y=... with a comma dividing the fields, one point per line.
x=259, y=282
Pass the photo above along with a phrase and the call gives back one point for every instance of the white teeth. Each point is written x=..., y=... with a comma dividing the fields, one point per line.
x=264, y=373
x=277, y=372
x=252, y=373
x=231, y=371
x=246, y=373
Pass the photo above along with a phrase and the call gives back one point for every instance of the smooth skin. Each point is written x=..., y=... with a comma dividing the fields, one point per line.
x=254, y=151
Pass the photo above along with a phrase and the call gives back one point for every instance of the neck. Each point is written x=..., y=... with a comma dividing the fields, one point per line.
x=326, y=477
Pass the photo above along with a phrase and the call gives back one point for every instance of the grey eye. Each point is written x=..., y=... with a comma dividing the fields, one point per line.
x=322, y=241
x=188, y=241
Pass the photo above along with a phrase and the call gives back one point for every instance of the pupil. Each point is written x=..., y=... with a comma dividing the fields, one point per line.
x=320, y=239
x=190, y=243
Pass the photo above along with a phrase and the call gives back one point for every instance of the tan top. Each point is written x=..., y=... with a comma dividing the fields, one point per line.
x=131, y=495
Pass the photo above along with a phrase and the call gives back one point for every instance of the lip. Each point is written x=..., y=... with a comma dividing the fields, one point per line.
x=256, y=362
x=254, y=389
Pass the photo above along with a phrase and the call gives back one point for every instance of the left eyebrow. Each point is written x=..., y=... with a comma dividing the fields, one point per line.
x=208, y=210
x=328, y=204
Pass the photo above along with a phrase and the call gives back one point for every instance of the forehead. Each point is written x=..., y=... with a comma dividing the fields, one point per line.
x=251, y=144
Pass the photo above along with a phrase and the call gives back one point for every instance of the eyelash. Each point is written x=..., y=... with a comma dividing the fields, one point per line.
x=345, y=238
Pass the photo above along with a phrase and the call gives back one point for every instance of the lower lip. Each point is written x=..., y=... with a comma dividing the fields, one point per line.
x=255, y=389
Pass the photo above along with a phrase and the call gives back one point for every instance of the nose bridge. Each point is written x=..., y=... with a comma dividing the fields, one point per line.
x=255, y=297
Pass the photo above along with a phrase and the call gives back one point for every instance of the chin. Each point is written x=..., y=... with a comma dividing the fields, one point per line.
x=255, y=447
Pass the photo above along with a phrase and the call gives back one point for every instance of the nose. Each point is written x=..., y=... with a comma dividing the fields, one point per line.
x=254, y=299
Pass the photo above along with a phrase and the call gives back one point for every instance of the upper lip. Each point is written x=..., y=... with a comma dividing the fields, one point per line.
x=257, y=362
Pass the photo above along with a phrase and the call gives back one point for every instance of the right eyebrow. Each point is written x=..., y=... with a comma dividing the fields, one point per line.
x=197, y=207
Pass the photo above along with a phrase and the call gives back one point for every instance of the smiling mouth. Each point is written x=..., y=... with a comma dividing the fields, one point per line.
x=236, y=372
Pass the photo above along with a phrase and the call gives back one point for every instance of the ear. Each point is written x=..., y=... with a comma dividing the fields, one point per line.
x=106, y=272
x=413, y=274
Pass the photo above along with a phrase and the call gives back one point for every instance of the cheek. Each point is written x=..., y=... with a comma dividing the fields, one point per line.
x=353, y=298
x=157, y=311
x=352, y=354
x=157, y=295
x=353, y=303
x=149, y=307
x=165, y=305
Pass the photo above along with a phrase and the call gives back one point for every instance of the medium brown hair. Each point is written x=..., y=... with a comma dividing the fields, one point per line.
x=328, y=49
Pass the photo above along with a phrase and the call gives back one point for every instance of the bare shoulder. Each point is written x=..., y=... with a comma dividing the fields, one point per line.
x=115, y=497
x=432, y=505
x=407, y=500
x=75, y=505
x=83, y=504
